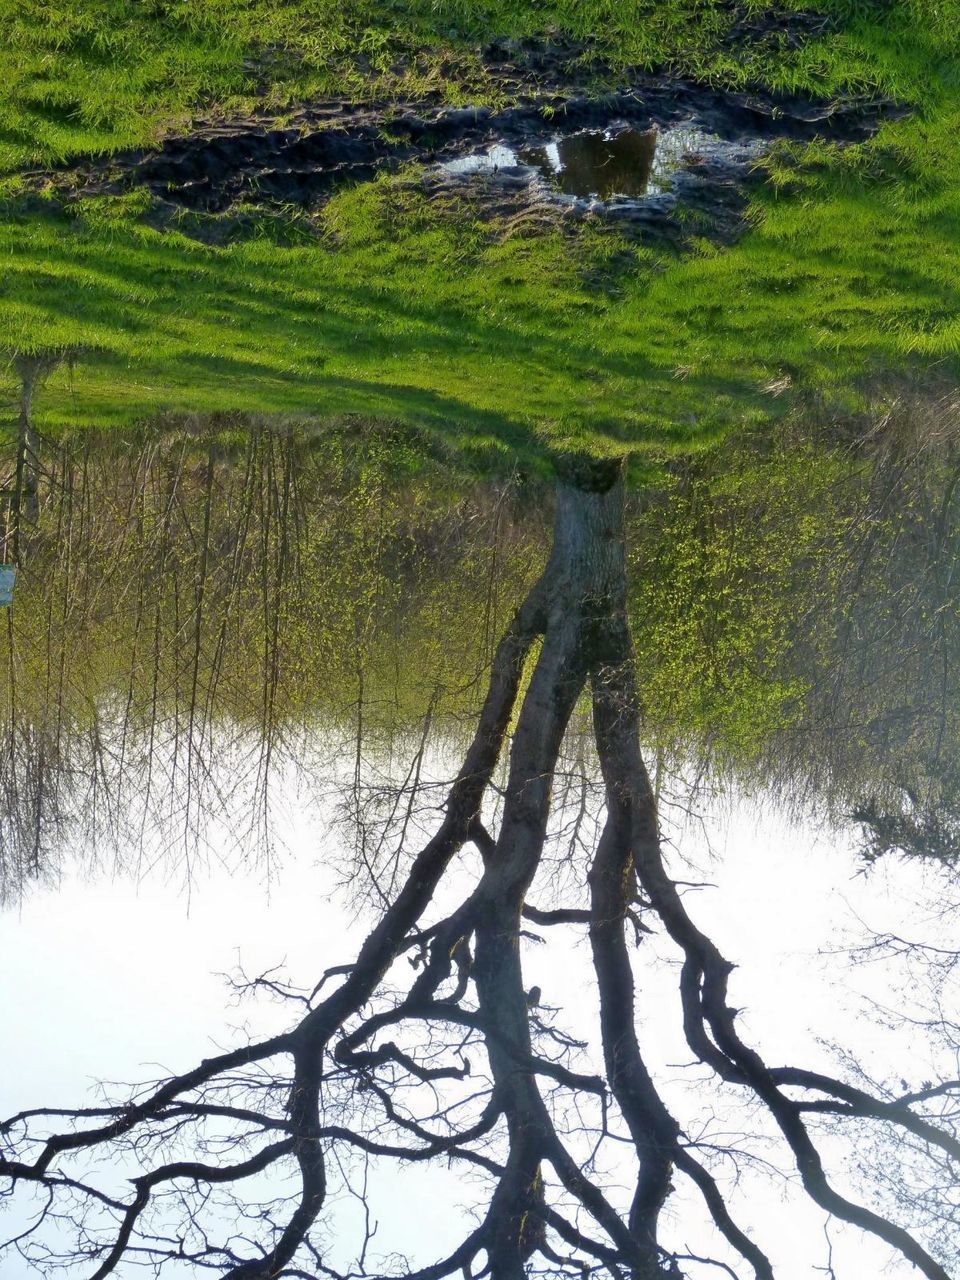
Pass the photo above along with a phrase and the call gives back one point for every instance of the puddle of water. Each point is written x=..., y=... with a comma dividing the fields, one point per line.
x=598, y=164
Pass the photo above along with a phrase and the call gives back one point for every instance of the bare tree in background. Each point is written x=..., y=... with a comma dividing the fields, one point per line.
x=205, y=606
x=454, y=1060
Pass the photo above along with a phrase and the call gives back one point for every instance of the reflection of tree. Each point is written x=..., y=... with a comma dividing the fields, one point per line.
x=201, y=609
x=195, y=602
x=21, y=490
x=457, y=1061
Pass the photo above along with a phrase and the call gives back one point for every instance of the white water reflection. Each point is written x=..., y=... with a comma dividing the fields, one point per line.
x=602, y=164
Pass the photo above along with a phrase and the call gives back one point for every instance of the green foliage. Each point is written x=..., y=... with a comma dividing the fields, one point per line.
x=792, y=604
x=206, y=604
x=325, y=560
x=797, y=622
x=732, y=561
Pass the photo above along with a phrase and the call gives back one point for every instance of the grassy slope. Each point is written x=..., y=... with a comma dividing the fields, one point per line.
x=89, y=75
x=399, y=310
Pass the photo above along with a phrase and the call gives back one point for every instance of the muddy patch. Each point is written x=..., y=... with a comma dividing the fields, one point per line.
x=661, y=156
x=621, y=172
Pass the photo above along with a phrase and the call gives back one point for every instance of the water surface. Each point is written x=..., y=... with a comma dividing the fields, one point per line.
x=601, y=164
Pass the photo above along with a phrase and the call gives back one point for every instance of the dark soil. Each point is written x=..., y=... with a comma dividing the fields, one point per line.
x=324, y=145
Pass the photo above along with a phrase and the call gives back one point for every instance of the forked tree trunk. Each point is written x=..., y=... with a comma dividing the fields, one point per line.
x=578, y=611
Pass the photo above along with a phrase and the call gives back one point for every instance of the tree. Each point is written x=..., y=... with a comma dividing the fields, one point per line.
x=263, y=585
x=459, y=1062
x=200, y=602
x=796, y=612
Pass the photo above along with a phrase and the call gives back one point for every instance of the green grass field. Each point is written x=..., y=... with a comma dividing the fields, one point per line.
x=390, y=307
